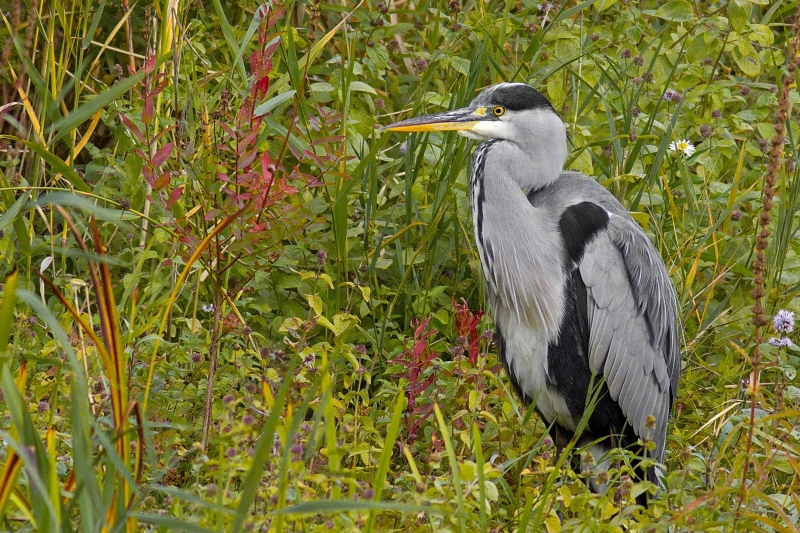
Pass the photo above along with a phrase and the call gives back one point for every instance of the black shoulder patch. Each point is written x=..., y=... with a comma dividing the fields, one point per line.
x=579, y=223
x=520, y=97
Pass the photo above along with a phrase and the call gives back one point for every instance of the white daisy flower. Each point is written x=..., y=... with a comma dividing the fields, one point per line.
x=683, y=146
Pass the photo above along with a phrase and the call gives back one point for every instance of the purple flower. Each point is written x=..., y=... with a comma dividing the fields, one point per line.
x=673, y=96
x=297, y=452
x=780, y=342
x=783, y=321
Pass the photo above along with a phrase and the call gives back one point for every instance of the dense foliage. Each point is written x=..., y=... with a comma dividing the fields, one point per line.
x=232, y=302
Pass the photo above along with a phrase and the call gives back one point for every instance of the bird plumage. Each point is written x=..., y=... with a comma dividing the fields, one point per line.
x=577, y=289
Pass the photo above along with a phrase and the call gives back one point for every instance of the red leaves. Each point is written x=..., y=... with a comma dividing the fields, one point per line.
x=261, y=61
x=150, y=64
x=419, y=367
x=161, y=156
x=132, y=127
x=467, y=326
x=173, y=196
x=417, y=360
x=162, y=181
x=152, y=164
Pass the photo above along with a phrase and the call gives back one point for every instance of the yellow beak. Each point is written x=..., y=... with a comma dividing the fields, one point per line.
x=457, y=120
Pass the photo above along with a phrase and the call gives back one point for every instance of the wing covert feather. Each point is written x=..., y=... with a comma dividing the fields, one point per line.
x=632, y=322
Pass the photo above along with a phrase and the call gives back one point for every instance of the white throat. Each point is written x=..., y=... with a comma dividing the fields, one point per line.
x=534, y=149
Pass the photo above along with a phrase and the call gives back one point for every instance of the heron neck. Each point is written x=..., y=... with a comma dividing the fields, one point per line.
x=517, y=241
x=531, y=166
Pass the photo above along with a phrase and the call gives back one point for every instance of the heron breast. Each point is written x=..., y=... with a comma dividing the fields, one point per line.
x=524, y=353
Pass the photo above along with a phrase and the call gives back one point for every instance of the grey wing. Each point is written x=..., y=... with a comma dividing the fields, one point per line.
x=633, y=330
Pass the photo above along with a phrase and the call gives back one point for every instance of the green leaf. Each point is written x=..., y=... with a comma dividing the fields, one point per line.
x=10, y=215
x=89, y=204
x=341, y=323
x=467, y=471
x=739, y=14
x=760, y=34
x=602, y=5
x=7, y=312
x=459, y=64
x=378, y=58
x=676, y=11
x=746, y=58
x=360, y=86
x=315, y=303
x=273, y=102
x=555, y=90
x=341, y=506
x=322, y=87
x=492, y=494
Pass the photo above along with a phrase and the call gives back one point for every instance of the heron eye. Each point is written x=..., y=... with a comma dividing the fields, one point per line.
x=498, y=111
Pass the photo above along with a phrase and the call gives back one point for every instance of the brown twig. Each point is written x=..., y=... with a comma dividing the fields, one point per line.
x=760, y=318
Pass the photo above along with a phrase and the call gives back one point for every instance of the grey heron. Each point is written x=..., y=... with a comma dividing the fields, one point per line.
x=580, y=295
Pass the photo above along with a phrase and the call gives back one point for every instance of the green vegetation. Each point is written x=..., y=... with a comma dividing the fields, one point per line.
x=232, y=303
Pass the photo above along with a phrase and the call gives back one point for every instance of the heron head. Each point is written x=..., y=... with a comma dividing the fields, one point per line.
x=513, y=112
